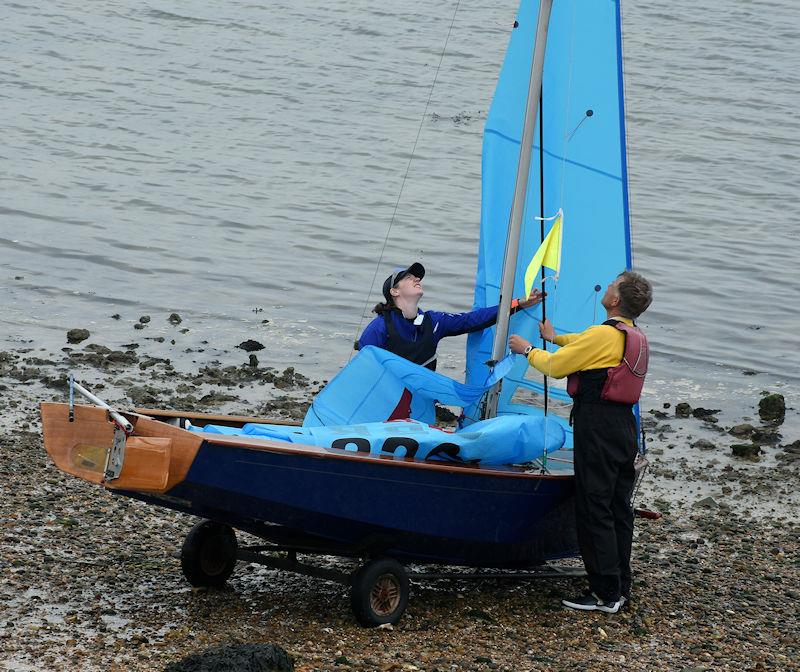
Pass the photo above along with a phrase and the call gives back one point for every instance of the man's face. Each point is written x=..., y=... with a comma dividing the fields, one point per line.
x=410, y=287
x=611, y=297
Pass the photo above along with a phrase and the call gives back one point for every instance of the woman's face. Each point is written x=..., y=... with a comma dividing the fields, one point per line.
x=410, y=287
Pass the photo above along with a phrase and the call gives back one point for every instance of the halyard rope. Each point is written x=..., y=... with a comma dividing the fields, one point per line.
x=405, y=177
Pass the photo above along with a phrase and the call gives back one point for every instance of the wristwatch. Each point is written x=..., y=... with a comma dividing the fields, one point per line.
x=527, y=350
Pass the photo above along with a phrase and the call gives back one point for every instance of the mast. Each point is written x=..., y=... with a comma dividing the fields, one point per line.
x=518, y=204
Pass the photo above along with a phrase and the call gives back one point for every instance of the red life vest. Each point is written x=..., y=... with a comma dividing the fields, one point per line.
x=623, y=383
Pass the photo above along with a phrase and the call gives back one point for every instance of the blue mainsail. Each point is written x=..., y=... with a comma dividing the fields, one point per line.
x=584, y=174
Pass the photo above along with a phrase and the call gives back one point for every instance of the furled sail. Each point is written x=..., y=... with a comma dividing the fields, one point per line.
x=583, y=172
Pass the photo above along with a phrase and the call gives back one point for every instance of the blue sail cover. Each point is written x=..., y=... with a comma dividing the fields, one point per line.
x=350, y=413
x=585, y=174
x=372, y=386
x=512, y=439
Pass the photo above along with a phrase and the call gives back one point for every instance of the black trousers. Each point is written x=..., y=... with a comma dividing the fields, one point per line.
x=605, y=450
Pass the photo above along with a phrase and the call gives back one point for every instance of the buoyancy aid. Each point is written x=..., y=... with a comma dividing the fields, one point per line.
x=621, y=384
x=420, y=351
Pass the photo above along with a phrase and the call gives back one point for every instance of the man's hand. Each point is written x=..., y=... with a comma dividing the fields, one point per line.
x=518, y=344
x=534, y=299
x=546, y=330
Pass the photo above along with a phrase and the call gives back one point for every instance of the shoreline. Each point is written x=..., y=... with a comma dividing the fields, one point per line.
x=90, y=583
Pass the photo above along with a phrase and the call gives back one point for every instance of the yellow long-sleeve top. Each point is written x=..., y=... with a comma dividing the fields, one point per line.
x=598, y=347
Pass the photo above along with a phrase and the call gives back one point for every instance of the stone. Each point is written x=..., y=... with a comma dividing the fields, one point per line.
x=742, y=431
x=705, y=413
x=746, y=449
x=174, y=318
x=706, y=503
x=703, y=444
x=77, y=335
x=250, y=345
x=793, y=447
x=764, y=435
x=683, y=410
x=772, y=408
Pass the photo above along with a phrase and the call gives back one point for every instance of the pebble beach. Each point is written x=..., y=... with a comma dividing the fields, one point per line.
x=90, y=580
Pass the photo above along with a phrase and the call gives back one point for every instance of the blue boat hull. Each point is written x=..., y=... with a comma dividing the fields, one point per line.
x=454, y=515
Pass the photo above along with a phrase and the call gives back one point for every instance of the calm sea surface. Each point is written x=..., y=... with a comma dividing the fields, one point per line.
x=238, y=162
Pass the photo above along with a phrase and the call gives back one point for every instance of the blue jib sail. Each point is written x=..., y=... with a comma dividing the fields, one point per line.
x=583, y=170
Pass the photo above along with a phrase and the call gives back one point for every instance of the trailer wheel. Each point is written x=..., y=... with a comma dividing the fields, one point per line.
x=379, y=592
x=208, y=555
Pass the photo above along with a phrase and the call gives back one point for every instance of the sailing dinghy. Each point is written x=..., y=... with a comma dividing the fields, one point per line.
x=385, y=508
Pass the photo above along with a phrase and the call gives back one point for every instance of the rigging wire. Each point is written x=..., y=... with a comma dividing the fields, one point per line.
x=405, y=177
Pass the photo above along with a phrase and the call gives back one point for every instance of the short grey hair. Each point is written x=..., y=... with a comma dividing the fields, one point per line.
x=635, y=294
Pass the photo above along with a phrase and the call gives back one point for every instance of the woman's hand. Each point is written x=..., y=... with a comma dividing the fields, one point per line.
x=534, y=299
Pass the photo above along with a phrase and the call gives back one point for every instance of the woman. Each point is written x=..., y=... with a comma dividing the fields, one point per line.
x=402, y=328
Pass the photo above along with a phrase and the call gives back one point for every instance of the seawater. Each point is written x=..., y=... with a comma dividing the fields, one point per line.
x=240, y=163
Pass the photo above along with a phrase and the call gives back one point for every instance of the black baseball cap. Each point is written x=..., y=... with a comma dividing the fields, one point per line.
x=416, y=269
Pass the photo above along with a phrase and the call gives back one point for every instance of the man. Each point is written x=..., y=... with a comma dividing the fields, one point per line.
x=605, y=365
x=402, y=328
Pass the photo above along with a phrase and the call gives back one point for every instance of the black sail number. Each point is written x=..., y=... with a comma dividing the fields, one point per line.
x=361, y=444
x=394, y=442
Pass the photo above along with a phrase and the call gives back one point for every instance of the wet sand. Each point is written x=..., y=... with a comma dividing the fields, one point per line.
x=90, y=582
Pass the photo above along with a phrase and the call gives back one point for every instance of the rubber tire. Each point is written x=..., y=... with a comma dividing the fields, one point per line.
x=208, y=554
x=371, y=575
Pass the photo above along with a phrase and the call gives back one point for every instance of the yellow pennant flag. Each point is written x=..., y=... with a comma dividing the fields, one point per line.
x=548, y=254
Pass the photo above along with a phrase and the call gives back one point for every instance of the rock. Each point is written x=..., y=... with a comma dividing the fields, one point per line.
x=706, y=503
x=659, y=414
x=764, y=435
x=792, y=447
x=772, y=408
x=683, y=410
x=705, y=413
x=236, y=658
x=144, y=319
x=703, y=444
x=253, y=361
x=77, y=335
x=745, y=449
x=250, y=345
x=174, y=318
x=138, y=325
x=742, y=431
x=122, y=357
x=143, y=396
